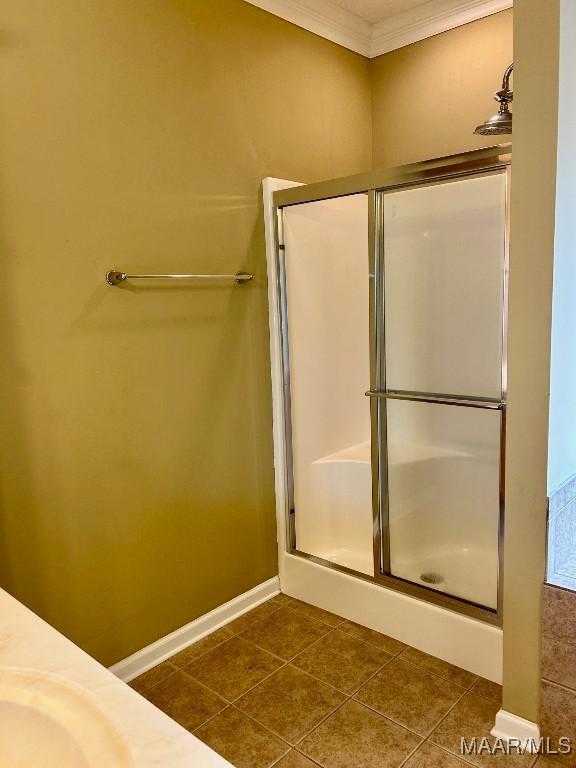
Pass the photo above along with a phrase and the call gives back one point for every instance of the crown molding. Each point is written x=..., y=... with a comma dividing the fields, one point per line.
x=430, y=19
x=328, y=20
x=324, y=18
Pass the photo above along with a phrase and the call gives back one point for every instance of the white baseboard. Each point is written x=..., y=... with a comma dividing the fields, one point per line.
x=176, y=641
x=509, y=727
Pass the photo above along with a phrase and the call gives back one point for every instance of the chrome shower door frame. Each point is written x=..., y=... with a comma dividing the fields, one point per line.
x=375, y=184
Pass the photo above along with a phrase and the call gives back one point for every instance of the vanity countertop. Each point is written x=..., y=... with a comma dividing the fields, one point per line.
x=153, y=739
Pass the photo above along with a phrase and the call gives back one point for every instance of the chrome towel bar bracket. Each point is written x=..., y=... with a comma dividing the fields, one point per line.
x=427, y=397
x=114, y=277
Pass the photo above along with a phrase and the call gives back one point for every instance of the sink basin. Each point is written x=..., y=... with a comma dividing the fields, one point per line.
x=48, y=721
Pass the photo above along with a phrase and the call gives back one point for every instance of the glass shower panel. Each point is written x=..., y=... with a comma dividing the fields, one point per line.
x=443, y=264
x=326, y=293
x=444, y=249
x=444, y=497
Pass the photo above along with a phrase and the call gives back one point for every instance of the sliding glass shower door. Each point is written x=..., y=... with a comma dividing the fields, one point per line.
x=393, y=307
x=441, y=388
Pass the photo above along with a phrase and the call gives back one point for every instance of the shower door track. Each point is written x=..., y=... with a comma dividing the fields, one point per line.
x=471, y=164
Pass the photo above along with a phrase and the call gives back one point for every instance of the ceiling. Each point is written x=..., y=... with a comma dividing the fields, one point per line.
x=374, y=27
x=374, y=11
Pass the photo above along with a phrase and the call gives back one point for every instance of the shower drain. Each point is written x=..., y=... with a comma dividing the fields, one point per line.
x=432, y=578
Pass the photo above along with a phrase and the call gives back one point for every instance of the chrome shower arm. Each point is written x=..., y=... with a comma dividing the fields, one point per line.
x=502, y=121
x=505, y=94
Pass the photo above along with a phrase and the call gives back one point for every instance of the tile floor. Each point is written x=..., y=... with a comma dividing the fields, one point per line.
x=292, y=686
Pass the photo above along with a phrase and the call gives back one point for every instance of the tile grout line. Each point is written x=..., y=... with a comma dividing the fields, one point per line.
x=252, y=687
x=212, y=717
x=319, y=680
x=268, y=731
x=436, y=674
x=464, y=688
x=233, y=702
x=299, y=607
x=369, y=644
x=318, y=724
x=439, y=723
x=374, y=645
x=322, y=637
x=362, y=685
x=303, y=613
x=315, y=762
x=348, y=697
x=446, y=751
x=230, y=702
x=261, y=648
x=559, y=685
x=330, y=629
x=402, y=725
x=264, y=727
x=283, y=738
x=169, y=659
x=233, y=633
x=146, y=691
x=411, y=754
x=248, y=717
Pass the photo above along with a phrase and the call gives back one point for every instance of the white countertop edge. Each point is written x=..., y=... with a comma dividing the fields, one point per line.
x=154, y=739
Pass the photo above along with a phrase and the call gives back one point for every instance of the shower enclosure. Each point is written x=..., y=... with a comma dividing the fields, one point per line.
x=391, y=307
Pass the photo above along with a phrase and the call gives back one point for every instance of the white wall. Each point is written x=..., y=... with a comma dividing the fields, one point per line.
x=562, y=438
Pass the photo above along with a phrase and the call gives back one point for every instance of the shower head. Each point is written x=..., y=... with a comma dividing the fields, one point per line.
x=502, y=121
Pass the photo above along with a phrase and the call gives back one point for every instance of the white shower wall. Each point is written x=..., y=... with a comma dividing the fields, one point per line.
x=327, y=307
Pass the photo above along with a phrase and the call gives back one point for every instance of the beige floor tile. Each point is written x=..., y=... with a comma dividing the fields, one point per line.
x=559, y=613
x=290, y=703
x=558, y=717
x=295, y=760
x=488, y=689
x=185, y=701
x=559, y=661
x=233, y=667
x=241, y=741
x=438, y=667
x=410, y=696
x=547, y=762
x=193, y=652
x=286, y=632
x=473, y=716
x=356, y=737
x=332, y=619
x=148, y=680
x=284, y=600
x=385, y=643
x=256, y=614
x=342, y=660
x=430, y=756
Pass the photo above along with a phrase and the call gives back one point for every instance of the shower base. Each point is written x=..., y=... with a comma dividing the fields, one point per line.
x=468, y=573
x=349, y=558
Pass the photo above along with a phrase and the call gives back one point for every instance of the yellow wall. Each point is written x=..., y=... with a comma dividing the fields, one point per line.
x=428, y=97
x=536, y=29
x=136, y=479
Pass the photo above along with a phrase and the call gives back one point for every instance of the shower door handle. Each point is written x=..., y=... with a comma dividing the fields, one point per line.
x=429, y=397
